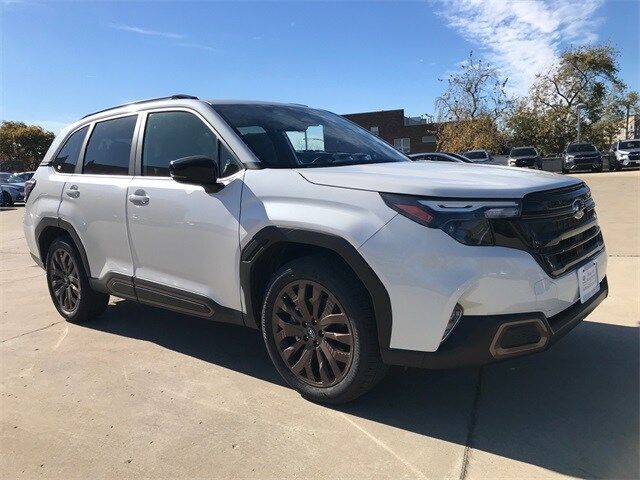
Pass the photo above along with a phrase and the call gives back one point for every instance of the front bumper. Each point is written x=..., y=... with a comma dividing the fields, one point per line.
x=583, y=163
x=479, y=340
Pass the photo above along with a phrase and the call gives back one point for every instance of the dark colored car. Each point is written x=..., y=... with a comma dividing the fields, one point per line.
x=524, y=157
x=581, y=156
x=437, y=157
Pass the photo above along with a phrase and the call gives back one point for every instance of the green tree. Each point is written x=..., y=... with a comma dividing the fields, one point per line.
x=547, y=116
x=28, y=143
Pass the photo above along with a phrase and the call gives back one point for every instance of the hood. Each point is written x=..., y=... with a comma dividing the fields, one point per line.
x=629, y=150
x=438, y=179
x=584, y=154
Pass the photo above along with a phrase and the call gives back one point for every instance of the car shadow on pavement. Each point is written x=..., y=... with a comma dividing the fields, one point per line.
x=572, y=410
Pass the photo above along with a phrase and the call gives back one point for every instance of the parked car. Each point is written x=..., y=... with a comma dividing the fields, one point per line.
x=478, y=156
x=19, y=177
x=346, y=256
x=581, y=156
x=11, y=193
x=524, y=157
x=624, y=153
x=436, y=157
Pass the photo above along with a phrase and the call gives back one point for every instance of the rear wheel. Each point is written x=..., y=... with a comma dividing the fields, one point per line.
x=597, y=169
x=69, y=284
x=319, y=329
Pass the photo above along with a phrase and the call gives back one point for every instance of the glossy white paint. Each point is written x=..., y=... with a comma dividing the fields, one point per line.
x=439, y=179
x=186, y=238
x=99, y=217
x=426, y=272
x=43, y=202
x=189, y=239
x=283, y=197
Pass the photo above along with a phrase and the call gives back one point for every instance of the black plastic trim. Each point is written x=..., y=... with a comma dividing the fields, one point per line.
x=469, y=345
x=182, y=301
x=67, y=227
x=255, y=249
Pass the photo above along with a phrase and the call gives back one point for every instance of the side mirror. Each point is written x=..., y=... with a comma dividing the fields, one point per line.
x=196, y=170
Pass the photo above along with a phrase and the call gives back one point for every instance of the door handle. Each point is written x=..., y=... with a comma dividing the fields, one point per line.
x=139, y=197
x=72, y=191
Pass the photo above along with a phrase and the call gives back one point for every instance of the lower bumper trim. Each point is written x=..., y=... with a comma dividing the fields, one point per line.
x=478, y=340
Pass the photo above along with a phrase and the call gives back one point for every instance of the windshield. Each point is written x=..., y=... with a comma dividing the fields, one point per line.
x=523, y=152
x=476, y=155
x=16, y=178
x=629, y=144
x=581, y=147
x=286, y=136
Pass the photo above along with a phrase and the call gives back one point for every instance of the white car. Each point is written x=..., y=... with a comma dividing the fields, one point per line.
x=347, y=256
x=624, y=153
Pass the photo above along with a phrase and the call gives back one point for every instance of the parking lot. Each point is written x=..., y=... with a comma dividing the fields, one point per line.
x=147, y=393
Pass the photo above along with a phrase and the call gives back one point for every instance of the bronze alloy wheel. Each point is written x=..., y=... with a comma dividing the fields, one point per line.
x=65, y=281
x=312, y=333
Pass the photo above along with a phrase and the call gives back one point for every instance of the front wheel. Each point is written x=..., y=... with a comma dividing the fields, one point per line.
x=7, y=201
x=320, y=332
x=69, y=285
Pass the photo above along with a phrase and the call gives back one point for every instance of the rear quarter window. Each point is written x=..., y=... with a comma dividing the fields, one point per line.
x=67, y=157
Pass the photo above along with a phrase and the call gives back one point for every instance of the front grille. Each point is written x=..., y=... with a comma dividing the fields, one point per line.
x=549, y=230
x=634, y=156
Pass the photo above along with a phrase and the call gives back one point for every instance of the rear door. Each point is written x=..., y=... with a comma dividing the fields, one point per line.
x=94, y=197
x=185, y=241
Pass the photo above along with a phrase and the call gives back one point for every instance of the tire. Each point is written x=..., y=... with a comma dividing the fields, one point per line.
x=329, y=336
x=612, y=166
x=69, y=285
x=596, y=170
x=564, y=170
x=7, y=201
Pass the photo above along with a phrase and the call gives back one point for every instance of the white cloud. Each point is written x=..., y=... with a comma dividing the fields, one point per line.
x=523, y=37
x=144, y=31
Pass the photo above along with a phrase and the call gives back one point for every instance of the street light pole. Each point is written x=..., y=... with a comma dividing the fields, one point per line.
x=579, y=107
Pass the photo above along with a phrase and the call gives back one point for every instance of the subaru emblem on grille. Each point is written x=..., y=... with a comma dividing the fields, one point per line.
x=578, y=209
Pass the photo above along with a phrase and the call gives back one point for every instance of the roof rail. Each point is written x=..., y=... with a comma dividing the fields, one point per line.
x=171, y=97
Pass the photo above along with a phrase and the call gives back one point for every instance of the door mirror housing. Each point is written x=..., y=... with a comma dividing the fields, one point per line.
x=196, y=170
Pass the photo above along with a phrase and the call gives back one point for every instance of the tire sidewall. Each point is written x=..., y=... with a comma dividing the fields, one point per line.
x=79, y=315
x=291, y=273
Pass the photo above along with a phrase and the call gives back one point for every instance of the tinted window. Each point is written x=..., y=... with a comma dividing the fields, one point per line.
x=523, y=152
x=65, y=161
x=629, y=144
x=109, y=147
x=173, y=135
x=476, y=155
x=581, y=147
x=288, y=136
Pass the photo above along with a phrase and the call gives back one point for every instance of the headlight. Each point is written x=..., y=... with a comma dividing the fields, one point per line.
x=622, y=154
x=466, y=221
x=569, y=158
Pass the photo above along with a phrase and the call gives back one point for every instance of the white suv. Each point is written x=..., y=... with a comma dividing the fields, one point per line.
x=347, y=256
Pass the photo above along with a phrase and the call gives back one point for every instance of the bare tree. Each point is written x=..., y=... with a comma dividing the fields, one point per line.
x=476, y=91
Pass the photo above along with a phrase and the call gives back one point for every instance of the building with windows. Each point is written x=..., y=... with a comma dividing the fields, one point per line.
x=629, y=129
x=407, y=134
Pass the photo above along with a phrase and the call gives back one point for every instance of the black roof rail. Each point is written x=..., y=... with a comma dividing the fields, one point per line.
x=179, y=96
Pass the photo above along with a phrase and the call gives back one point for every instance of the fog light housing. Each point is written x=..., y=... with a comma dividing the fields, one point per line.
x=456, y=315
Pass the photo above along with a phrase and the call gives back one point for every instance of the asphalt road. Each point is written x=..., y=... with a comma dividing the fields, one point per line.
x=144, y=393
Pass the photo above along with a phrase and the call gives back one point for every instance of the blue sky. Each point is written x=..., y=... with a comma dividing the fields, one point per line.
x=63, y=60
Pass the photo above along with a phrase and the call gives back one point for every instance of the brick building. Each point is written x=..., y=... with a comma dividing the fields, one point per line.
x=407, y=134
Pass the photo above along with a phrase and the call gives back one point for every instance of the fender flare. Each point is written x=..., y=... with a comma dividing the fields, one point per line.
x=271, y=235
x=67, y=227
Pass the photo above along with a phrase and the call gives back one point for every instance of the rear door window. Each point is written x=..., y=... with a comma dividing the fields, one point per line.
x=109, y=148
x=65, y=161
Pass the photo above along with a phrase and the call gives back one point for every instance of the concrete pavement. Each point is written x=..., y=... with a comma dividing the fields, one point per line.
x=146, y=393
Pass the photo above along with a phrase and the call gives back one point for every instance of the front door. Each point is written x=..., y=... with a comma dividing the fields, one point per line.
x=184, y=241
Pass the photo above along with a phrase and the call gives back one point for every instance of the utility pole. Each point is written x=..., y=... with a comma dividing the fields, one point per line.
x=579, y=108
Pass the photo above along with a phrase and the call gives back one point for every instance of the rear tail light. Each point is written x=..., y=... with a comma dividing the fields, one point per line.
x=28, y=188
x=468, y=221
